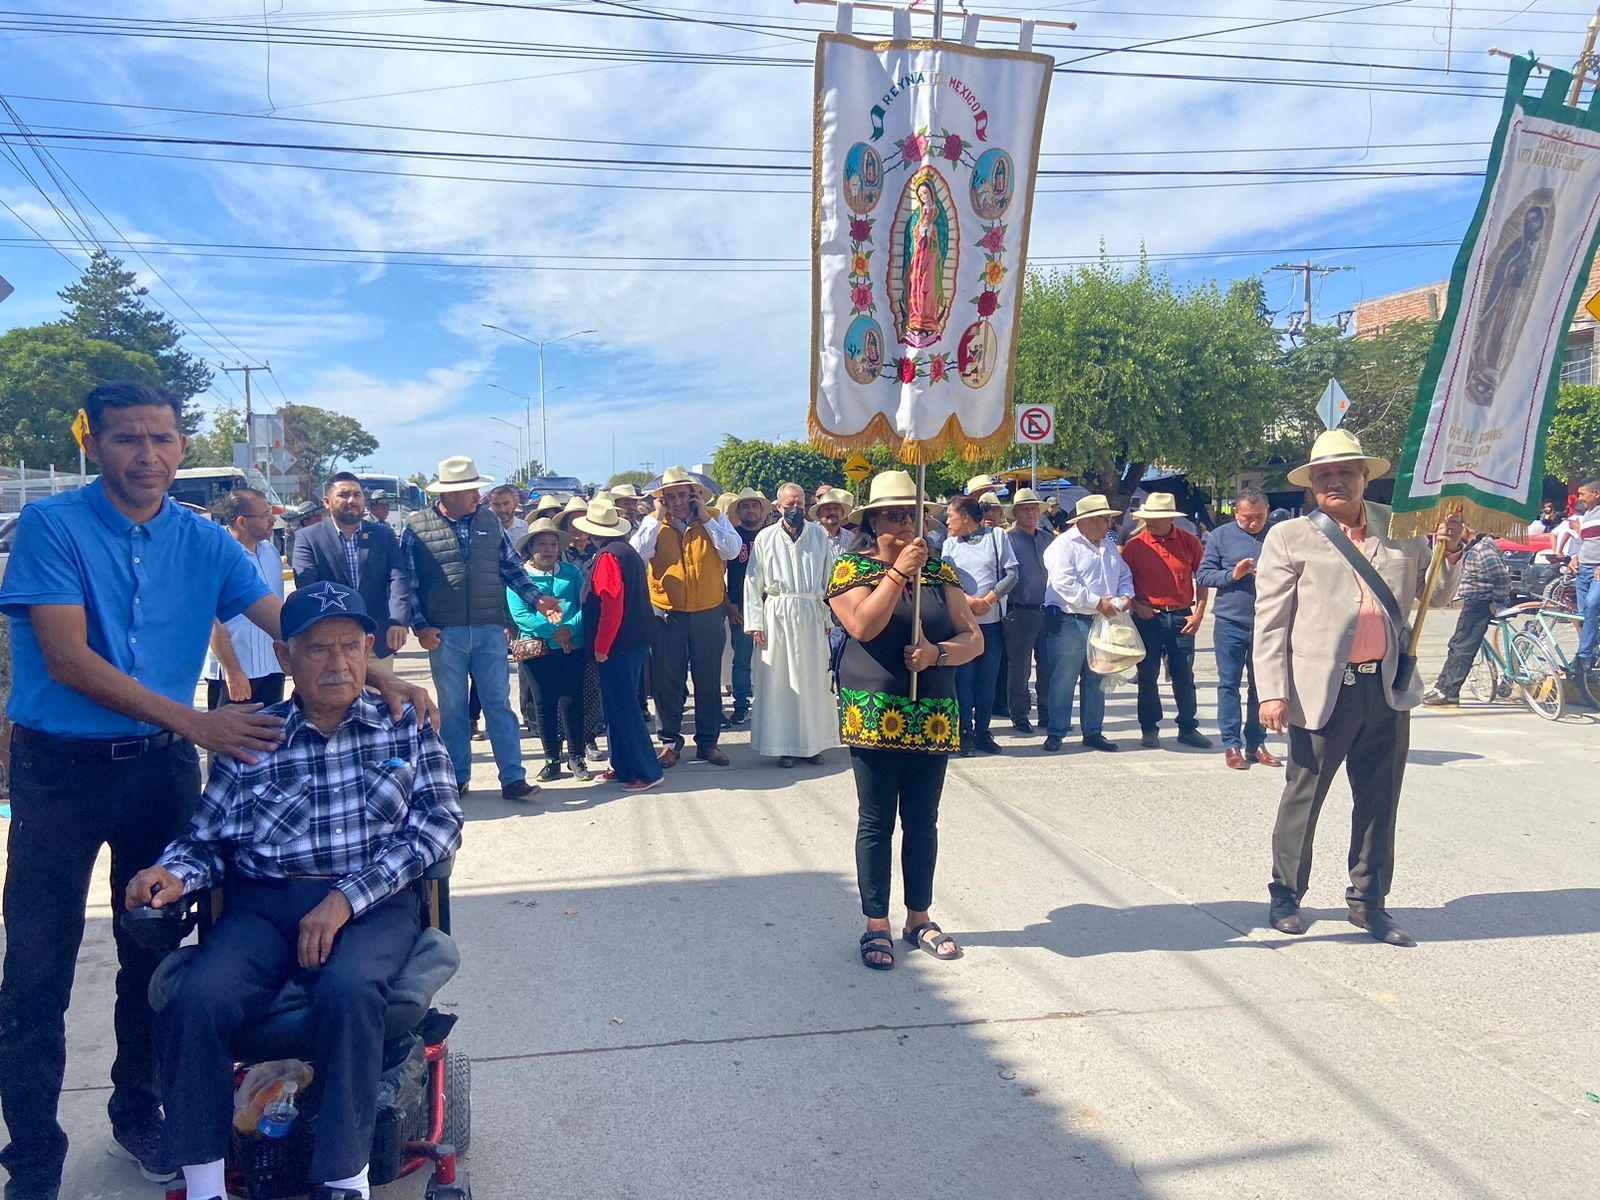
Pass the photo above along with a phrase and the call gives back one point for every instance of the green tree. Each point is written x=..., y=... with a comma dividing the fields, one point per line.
x=1142, y=372
x=108, y=304
x=637, y=477
x=1380, y=375
x=1572, y=447
x=214, y=447
x=740, y=463
x=45, y=372
x=319, y=439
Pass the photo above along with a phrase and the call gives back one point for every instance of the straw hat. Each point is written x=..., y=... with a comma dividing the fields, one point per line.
x=542, y=525
x=1158, y=506
x=979, y=484
x=990, y=500
x=622, y=491
x=678, y=477
x=602, y=520
x=458, y=474
x=725, y=502
x=746, y=494
x=1093, y=506
x=1337, y=445
x=573, y=507
x=1114, y=647
x=1025, y=496
x=890, y=489
x=833, y=496
x=547, y=506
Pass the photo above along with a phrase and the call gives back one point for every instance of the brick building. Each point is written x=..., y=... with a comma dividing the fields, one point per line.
x=1427, y=303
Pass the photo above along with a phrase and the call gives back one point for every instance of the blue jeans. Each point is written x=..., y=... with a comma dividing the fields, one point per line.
x=469, y=654
x=744, y=647
x=1588, y=610
x=627, y=739
x=975, y=682
x=1233, y=644
x=1068, y=648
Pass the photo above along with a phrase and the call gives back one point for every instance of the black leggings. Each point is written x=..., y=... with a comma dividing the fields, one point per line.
x=910, y=783
x=557, y=681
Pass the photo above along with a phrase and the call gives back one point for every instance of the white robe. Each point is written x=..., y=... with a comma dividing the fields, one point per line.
x=794, y=712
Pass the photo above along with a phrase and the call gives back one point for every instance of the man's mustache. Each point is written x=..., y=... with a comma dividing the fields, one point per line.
x=337, y=677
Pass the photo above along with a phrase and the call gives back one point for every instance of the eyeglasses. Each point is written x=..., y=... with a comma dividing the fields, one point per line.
x=895, y=516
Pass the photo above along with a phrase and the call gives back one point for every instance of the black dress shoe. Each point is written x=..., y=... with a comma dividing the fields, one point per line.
x=1380, y=925
x=1098, y=741
x=1022, y=726
x=968, y=751
x=1150, y=740
x=1284, y=915
x=986, y=743
x=1052, y=743
x=519, y=790
x=1193, y=737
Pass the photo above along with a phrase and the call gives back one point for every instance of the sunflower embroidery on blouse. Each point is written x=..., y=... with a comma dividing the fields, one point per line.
x=884, y=721
x=857, y=570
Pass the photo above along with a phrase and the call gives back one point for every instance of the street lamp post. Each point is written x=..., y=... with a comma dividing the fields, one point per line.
x=544, y=429
x=521, y=447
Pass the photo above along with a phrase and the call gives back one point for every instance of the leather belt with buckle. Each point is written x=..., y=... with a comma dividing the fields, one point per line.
x=105, y=749
x=1351, y=670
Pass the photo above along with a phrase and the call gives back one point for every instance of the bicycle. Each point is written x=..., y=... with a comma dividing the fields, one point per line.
x=1525, y=663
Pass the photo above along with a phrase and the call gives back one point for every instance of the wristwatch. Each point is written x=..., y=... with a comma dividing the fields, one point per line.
x=944, y=656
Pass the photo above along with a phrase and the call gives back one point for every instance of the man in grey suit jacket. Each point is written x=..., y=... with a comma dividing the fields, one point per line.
x=364, y=555
x=1326, y=656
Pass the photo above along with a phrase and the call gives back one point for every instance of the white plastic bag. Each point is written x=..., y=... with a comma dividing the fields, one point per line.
x=1115, y=647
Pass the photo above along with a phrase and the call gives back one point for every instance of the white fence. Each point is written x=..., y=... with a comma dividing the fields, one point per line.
x=20, y=483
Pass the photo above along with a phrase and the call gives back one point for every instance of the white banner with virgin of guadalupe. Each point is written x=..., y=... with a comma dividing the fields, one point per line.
x=923, y=175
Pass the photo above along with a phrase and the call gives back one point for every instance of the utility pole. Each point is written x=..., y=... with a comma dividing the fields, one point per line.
x=1307, y=270
x=249, y=425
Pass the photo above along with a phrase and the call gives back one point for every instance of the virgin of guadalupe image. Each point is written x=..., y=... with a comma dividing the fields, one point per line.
x=1512, y=271
x=923, y=269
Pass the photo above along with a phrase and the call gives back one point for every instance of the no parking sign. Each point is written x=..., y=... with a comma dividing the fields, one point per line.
x=1036, y=424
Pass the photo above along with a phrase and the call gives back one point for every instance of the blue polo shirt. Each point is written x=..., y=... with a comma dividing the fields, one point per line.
x=149, y=592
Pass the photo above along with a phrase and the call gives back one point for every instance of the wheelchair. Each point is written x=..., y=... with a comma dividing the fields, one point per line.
x=428, y=1122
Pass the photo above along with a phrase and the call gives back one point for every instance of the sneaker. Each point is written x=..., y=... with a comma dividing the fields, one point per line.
x=580, y=771
x=1434, y=698
x=640, y=785
x=142, y=1145
x=597, y=753
x=1193, y=737
x=1022, y=726
x=550, y=773
x=986, y=743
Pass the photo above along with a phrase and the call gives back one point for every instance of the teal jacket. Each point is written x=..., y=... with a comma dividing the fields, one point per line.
x=566, y=585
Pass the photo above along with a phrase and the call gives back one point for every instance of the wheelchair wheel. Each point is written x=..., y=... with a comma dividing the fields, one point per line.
x=1483, y=680
x=457, y=1100
x=1543, y=683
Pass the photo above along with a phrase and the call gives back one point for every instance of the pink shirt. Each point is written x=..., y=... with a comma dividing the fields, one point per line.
x=1372, y=625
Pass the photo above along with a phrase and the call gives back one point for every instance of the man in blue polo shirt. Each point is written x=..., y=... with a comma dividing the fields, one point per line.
x=111, y=592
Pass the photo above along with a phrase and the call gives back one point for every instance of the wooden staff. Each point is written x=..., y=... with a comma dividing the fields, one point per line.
x=916, y=586
x=1425, y=601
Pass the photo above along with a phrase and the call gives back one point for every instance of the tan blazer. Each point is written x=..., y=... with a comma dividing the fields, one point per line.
x=1306, y=605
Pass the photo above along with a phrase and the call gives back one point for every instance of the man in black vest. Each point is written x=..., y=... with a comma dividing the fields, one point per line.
x=459, y=563
x=359, y=554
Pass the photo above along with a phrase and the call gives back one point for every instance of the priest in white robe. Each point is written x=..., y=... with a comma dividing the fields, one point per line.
x=793, y=715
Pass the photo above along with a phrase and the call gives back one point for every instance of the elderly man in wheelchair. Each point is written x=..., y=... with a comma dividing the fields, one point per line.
x=320, y=842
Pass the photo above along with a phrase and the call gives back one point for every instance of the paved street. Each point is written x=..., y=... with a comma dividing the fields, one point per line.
x=663, y=997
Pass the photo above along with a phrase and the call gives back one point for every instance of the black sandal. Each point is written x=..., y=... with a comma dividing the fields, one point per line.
x=877, y=941
x=915, y=939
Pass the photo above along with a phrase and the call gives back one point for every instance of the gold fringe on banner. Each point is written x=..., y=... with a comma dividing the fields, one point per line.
x=1423, y=521
x=879, y=432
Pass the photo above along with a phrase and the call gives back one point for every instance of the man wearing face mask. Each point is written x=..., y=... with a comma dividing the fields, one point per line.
x=788, y=619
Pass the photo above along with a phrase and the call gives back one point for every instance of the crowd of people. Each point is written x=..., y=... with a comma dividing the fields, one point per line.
x=892, y=625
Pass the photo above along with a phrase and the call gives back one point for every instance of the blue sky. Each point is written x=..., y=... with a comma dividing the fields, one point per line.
x=680, y=357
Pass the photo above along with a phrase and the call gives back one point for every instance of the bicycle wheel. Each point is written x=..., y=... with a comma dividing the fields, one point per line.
x=1560, y=628
x=1560, y=594
x=1483, y=680
x=1543, y=683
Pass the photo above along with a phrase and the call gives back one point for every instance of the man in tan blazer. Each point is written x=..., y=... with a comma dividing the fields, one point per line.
x=1326, y=655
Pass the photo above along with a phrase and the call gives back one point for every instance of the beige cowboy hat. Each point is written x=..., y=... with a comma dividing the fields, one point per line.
x=602, y=520
x=1093, y=506
x=542, y=525
x=890, y=489
x=740, y=498
x=458, y=474
x=621, y=491
x=833, y=496
x=678, y=477
x=1158, y=506
x=1337, y=445
x=979, y=484
x=1025, y=496
x=572, y=508
x=990, y=500
x=546, y=506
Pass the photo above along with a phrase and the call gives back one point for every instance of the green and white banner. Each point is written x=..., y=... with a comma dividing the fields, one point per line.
x=1477, y=433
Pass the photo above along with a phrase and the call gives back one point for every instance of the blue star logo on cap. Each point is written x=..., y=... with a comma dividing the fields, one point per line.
x=329, y=597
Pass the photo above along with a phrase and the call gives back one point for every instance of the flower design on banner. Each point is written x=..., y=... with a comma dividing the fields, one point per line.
x=861, y=298
x=907, y=368
x=861, y=301
x=915, y=148
x=993, y=239
x=953, y=147
x=861, y=229
x=988, y=303
x=993, y=272
x=938, y=365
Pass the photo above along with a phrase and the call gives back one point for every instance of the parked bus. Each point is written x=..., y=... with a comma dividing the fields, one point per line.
x=204, y=486
x=409, y=495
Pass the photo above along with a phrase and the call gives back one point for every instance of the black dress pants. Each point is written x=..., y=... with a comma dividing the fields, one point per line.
x=1023, y=629
x=1371, y=740
x=910, y=783
x=266, y=690
x=689, y=645
x=64, y=808
x=1465, y=642
x=246, y=958
x=557, y=683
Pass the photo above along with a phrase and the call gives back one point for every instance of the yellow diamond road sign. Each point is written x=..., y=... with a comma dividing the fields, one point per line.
x=857, y=468
x=1594, y=306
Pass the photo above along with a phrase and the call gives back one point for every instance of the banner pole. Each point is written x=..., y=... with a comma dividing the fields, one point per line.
x=1585, y=61
x=1425, y=601
x=916, y=586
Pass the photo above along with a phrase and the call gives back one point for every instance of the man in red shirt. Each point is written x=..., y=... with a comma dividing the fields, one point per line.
x=1168, y=605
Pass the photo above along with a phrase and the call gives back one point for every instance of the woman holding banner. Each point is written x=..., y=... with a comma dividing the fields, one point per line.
x=898, y=744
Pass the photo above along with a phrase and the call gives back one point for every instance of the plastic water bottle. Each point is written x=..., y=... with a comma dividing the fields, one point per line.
x=278, y=1117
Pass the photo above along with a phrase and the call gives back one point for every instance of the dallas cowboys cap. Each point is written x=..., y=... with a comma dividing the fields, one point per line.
x=308, y=605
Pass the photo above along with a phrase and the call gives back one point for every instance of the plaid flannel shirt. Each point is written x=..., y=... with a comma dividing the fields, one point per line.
x=1484, y=575
x=372, y=807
